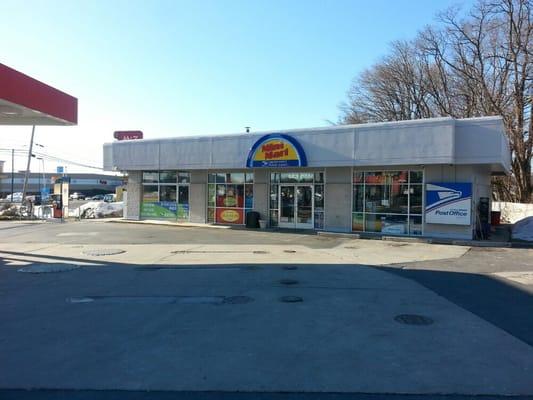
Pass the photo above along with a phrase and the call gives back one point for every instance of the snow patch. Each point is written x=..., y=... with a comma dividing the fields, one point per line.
x=523, y=229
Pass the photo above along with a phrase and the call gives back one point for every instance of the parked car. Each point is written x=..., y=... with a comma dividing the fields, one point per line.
x=14, y=197
x=98, y=197
x=109, y=198
x=77, y=196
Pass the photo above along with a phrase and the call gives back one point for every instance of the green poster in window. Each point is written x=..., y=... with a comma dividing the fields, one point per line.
x=161, y=209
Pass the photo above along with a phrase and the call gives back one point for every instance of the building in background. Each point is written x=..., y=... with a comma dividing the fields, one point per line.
x=87, y=184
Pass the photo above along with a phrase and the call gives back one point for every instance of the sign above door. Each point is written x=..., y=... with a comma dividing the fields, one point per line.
x=276, y=150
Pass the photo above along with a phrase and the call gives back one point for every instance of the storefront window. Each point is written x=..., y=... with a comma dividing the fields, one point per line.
x=229, y=197
x=150, y=193
x=387, y=202
x=150, y=177
x=274, y=177
x=167, y=176
x=274, y=196
x=358, y=177
x=184, y=177
x=386, y=198
x=415, y=205
x=358, y=222
x=358, y=198
x=165, y=195
x=211, y=196
x=319, y=197
x=168, y=193
x=415, y=176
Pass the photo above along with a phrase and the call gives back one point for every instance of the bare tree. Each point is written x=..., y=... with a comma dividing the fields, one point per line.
x=464, y=67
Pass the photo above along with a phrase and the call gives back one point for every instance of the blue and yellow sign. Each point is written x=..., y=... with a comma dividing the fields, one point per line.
x=276, y=150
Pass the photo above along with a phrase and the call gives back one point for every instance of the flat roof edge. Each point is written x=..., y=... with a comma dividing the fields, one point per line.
x=377, y=125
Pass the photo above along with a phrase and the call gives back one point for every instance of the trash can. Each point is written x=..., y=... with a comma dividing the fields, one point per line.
x=252, y=219
x=495, y=217
x=58, y=212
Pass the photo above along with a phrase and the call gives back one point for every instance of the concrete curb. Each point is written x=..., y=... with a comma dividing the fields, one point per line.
x=166, y=223
x=468, y=243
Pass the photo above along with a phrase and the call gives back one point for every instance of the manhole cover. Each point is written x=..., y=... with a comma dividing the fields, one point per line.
x=413, y=319
x=289, y=251
x=103, y=252
x=290, y=267
x=288, y=282
x=397, y=244
x=291, y=299
x=238, y=300
x=351, y=247
x=46, y=268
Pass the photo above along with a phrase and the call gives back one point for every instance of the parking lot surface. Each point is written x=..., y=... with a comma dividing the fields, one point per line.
x=193, y=310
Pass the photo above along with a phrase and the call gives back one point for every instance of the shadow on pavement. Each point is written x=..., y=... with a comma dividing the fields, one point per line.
x=504, y=304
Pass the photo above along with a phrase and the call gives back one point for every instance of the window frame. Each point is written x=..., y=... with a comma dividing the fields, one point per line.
x=213, y=180
x=408, y=215
x=177, y=184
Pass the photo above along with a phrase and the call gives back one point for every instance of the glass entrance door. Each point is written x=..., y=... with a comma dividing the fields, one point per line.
x=296, y=206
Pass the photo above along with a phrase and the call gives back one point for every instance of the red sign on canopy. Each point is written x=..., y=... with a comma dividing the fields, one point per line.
x=128, y=135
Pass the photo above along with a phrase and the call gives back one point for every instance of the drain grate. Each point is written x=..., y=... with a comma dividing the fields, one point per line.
x=288, y=282
x=291, y=299
x=413, y=319
x=259, y=252
x=48, y=268
x=289, y=251
x=238, y=300
x=103, y=252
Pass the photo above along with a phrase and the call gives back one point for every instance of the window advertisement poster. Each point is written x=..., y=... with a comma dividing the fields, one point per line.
x=230, y=216
x=159, y=209
x=449, y=203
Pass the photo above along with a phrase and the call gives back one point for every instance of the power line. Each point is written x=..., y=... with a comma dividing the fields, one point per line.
x=50, y=157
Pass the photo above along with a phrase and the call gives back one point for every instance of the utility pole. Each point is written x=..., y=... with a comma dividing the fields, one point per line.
x=26, y=175
x=12, y=172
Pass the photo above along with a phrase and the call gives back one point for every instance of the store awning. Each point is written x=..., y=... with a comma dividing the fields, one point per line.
x=27, y=101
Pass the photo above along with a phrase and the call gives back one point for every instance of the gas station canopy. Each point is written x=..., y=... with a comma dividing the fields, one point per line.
x=27, y=101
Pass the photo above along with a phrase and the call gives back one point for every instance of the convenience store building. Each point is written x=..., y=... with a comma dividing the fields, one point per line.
x=416, y=178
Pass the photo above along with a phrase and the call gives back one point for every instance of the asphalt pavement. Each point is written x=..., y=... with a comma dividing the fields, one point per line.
x=199, y=313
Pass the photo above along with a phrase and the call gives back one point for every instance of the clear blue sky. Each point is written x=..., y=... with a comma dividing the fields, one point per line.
x=173, y=68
